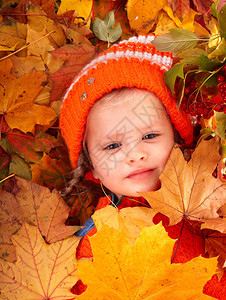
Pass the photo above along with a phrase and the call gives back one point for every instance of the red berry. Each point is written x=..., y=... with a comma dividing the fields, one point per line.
x=224, y=68
x=220, y=78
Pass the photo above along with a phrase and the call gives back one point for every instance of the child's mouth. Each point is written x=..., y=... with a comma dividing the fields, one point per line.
x=140, y=174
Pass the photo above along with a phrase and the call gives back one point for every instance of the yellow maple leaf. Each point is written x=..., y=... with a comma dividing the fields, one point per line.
x=13, y=35
x=42, y=271
x=38, y=21
x=143, y=271
x=188, y=189
x=17, y=99
x=131, y=219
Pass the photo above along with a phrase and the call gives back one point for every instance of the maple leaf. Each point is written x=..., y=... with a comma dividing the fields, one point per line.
x=35, y=205
x=215, y=245
x=13, y=35
x=143, y=271
x=42, y=271
x=51, y=171
x=188, y=189
x=75, y=58
x=17, y=96
x=131, y=219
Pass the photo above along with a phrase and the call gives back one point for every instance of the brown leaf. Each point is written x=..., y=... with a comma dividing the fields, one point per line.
x=203, y=6
x=188, y=189
x=35, y=205
x=180, y=7
x=42, y=271
x=215, y=245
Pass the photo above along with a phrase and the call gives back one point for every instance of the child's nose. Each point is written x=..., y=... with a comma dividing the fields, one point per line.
x=136, y=154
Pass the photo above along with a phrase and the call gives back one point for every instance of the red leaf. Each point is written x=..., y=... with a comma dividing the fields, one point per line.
x=203, y=6
x=75, y=57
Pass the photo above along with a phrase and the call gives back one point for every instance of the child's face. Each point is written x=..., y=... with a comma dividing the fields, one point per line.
x=129, y=143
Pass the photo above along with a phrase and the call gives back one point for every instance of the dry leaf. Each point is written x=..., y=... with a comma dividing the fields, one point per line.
x=13, y=34
x=218, y=224
x=35, y=205
x=131, y=220
x=188, y=189
x=142, y=272
x=75, y=58
x=17, y=96
x=215, y=245
x=82, y=8
x=180, y=8
x=50, y=171
x=42, y=271
x=38, y=21
x=143, y=15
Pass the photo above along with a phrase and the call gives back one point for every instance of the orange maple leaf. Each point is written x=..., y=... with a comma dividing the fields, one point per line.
x=35, y=205
x=42, y=271
x=142, y=272
x=17, y=99
x=188, y=190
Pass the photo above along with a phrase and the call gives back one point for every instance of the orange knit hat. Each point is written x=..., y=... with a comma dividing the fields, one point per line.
x=131, y=63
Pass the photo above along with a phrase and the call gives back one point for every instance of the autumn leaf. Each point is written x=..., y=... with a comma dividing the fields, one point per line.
x=106, y=30
x=52, y=171
x=215, y=245
x=143, y=15
x=131, y=220
x=13, y=34
x=181, y=8
x=35, y=205
x=17, y=96
x=39, y=22
x=141, y=272
x=101, y=7
x=188, y=190
x=83, y=9
x=42, y=271
x=75, y=57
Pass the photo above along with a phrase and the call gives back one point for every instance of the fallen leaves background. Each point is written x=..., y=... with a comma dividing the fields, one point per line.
x=43, y=45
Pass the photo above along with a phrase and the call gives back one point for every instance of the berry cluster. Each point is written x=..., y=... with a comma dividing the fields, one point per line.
x=197, y=103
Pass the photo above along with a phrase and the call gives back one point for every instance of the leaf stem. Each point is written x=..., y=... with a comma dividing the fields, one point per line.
x=178, y=241
x=4, y=179
x=26, y=46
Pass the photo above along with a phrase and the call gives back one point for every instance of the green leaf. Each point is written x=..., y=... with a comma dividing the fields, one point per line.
x=222, y=21
x=19, y=167
x=177, y=40
x=191, y=56
x=171, y=75
x=206, y=64
x=221, y=124
x=104, y=30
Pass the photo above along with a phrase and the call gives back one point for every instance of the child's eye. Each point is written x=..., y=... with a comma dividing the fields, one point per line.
x=112, y=146
x=149, y=136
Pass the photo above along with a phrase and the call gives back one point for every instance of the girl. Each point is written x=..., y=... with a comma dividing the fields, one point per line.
x=119, y=122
